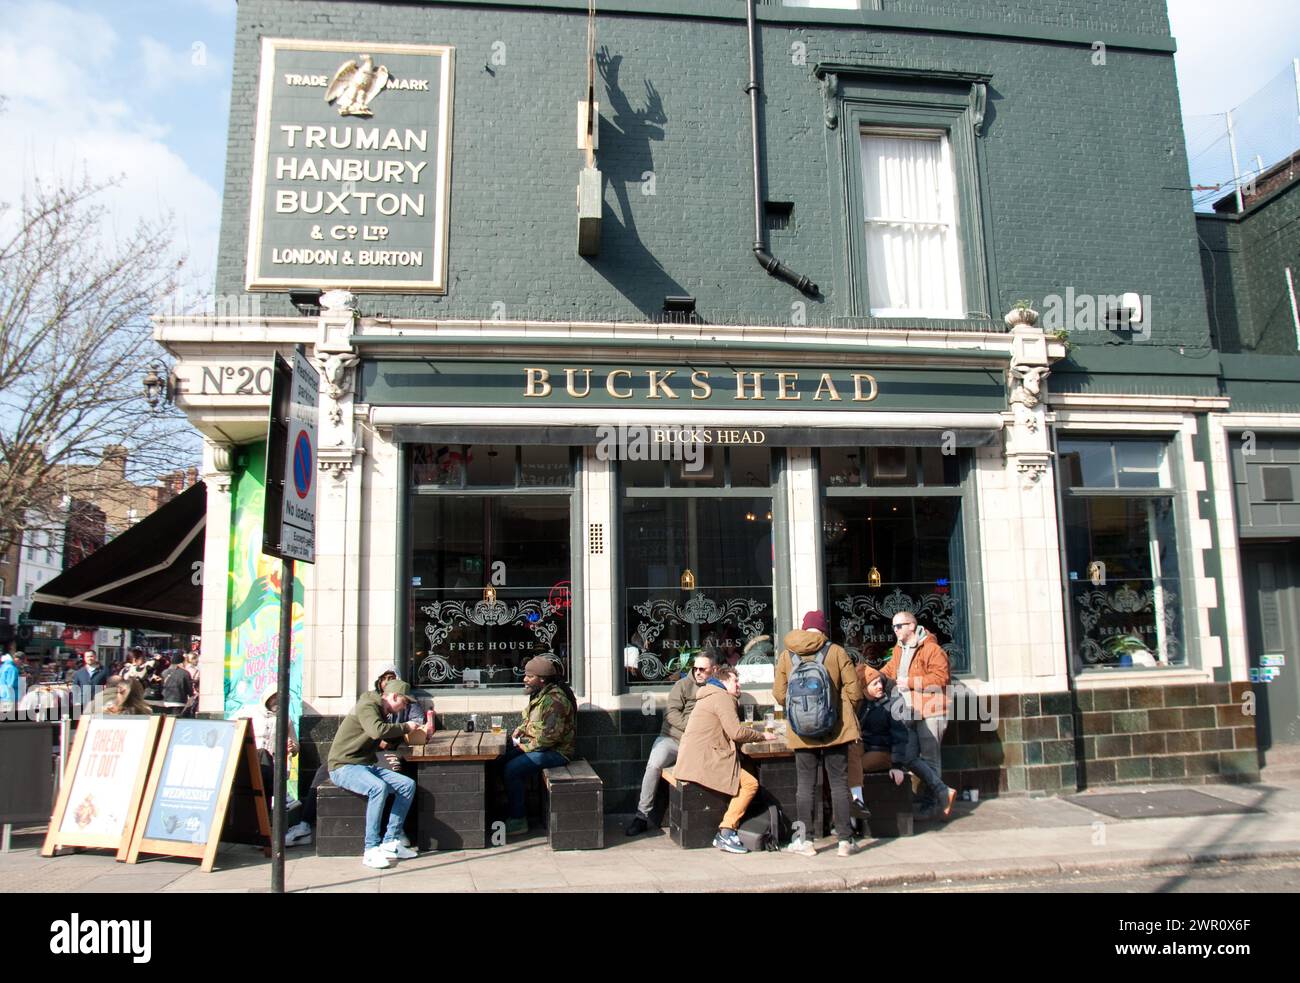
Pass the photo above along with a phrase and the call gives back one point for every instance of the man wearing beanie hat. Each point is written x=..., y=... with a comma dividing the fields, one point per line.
x=546, y=739
x=352, y=766
x=885, y=735
x=830, y=749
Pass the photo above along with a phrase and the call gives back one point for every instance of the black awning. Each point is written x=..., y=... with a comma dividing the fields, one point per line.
x=148, y=577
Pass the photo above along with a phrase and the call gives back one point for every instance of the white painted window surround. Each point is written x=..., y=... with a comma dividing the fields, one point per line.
x=910, y=204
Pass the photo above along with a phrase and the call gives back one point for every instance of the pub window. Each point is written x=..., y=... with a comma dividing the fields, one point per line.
x=894, y=539
x=489, y=545
x=699, y=547
x=912, y=236
x=1121, y=548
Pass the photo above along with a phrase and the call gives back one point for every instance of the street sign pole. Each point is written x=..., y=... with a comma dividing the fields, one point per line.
x=281, y=781
x=289, y=532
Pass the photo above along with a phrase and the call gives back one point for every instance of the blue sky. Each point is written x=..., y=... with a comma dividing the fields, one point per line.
x=141, y=88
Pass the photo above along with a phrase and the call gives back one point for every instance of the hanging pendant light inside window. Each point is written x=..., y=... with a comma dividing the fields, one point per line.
x=873, y=575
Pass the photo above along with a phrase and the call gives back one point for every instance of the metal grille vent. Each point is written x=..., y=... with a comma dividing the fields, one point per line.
x=596, y=539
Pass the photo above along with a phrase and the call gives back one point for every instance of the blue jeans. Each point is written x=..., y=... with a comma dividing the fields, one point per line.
x=918, y=735
x=521, y=766
x=374, y=784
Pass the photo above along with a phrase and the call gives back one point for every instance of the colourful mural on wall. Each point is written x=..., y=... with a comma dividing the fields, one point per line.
x=253, y=607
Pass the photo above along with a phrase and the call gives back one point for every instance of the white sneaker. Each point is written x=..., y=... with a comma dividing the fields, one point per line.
x=801, y=847
x=298, y=835
x=404, y=840
x=394, y=848
x=377, y=858
x=847, y=848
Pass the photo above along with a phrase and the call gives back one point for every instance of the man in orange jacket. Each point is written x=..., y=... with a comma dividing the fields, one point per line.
x=920, y=667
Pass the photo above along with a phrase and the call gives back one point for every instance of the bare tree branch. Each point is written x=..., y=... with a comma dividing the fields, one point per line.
x=75, y=342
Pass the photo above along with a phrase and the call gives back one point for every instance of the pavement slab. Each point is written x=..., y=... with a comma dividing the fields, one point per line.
x=992, y=839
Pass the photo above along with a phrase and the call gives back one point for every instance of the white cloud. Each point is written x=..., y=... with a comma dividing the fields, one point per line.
x=165, y=66
x=70, y=111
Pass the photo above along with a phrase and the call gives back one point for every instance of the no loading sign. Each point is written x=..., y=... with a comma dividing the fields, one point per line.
x=303, y=464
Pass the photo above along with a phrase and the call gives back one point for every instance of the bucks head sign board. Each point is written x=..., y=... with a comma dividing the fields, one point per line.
x=352, y=167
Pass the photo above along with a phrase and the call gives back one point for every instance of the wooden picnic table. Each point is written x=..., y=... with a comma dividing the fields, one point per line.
x=773, y=761
x=457, y=745
x=767, y=749
x=452, y=787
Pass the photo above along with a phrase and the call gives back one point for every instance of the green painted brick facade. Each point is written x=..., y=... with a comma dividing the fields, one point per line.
x=1243, y=261
x=1083, y=169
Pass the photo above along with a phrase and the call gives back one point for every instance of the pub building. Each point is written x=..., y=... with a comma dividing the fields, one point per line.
x=871, y=307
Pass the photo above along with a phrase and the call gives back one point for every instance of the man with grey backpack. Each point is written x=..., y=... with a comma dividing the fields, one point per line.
x=818, y=685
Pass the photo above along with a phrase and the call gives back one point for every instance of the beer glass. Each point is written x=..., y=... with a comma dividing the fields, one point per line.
x=496, y=725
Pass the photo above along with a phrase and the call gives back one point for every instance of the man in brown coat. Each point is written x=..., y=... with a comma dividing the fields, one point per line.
x=831, y=749
x=709, y=756
x=920, y=667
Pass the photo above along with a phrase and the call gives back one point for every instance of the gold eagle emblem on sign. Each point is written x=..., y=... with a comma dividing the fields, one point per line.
x=354, y=86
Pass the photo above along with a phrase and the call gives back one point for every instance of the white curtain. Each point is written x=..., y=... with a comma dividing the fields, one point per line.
x=913, y=267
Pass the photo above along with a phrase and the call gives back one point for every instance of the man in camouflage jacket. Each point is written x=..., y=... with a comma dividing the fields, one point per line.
x=546, y=739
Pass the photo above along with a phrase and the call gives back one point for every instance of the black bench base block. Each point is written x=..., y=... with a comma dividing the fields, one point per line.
x=451, y=800
x=341, y=821
x=890, y=805
x=574, y=807
x=694, y=813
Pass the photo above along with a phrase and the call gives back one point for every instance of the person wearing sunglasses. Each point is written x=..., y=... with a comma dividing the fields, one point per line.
x=920, y=667
x=663, y=754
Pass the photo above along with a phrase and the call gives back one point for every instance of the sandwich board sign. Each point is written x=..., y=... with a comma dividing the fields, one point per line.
x=205, y=786
x=289, y=521
x=99, y=799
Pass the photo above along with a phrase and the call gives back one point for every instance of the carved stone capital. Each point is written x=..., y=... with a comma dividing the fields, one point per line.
x=979, y=100
x=337, y=374
x=830, y=96
x=223, y=458
x=336, y=303
x=338, y=461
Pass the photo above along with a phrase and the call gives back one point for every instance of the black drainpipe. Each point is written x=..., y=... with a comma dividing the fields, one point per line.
x=765, y=259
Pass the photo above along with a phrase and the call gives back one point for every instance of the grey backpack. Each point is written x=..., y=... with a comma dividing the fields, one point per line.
x=810, y=698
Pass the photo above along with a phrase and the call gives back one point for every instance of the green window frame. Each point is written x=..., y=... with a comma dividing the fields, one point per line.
x=861, y=98
x=1143, y=486
x=731, y=486
x=516, y=481
x=958, y=485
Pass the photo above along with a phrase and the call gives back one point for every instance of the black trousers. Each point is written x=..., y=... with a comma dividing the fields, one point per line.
x=309, y=797
x=807, y=763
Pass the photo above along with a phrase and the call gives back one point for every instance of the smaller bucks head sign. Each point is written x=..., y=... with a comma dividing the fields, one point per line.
x=352, y=167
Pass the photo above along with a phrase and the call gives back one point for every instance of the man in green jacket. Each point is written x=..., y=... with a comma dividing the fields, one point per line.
x=352, y=766
x=546, y=739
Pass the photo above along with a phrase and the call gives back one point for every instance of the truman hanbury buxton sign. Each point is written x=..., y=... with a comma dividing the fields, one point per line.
x=352, y=167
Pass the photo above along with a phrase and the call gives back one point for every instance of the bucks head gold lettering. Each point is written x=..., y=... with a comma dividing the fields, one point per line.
x=536, y=383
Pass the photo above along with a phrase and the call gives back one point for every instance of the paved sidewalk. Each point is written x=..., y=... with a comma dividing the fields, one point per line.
x=996, y=837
